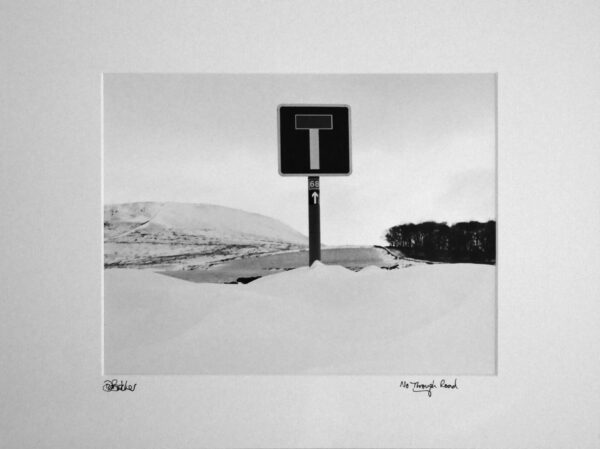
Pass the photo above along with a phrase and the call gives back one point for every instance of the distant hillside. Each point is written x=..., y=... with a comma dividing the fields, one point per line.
x=184, y=235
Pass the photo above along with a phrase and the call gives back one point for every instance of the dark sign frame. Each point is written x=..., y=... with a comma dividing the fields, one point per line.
x=293, y=144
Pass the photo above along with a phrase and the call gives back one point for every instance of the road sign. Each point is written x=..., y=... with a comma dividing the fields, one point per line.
x=313, y=190
x=314, y=140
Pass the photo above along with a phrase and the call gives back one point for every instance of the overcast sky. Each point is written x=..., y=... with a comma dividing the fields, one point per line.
x=423, y=147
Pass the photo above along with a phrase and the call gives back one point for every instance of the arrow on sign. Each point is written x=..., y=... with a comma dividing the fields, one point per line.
x=315, y=197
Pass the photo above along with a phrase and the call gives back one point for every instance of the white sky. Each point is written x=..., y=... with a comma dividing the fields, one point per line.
x=423, y=147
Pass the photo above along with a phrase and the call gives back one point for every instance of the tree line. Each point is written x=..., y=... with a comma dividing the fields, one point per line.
x=470, y=241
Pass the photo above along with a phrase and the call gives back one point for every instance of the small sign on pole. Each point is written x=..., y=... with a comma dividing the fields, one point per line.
x=314, y=220
x=314, y=140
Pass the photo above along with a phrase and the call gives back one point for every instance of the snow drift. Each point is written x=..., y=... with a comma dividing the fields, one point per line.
x=426, y=319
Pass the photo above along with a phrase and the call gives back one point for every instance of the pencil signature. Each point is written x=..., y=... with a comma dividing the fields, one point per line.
x=114, y=385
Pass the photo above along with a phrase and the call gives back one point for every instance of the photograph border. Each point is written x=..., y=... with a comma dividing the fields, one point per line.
x=440, y=374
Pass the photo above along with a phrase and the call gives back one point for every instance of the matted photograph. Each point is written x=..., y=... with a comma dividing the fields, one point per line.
x=299, y=224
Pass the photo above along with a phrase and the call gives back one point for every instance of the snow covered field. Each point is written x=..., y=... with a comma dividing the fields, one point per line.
x=424, y=319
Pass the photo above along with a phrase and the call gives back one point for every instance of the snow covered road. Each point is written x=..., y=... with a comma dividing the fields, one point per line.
x=354, y=258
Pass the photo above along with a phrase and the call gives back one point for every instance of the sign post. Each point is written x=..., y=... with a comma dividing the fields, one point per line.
x=314, y=220
x=314, y=140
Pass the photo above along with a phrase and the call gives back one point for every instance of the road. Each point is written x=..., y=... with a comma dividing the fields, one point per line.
x=246, y=269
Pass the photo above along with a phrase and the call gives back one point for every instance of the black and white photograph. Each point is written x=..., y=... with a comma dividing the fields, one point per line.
x=299, y=224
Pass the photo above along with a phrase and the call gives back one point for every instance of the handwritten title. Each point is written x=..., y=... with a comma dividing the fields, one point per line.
x=420, y=387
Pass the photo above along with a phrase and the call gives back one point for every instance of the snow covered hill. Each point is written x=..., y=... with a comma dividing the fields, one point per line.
x=182, y=235
x=425, y=319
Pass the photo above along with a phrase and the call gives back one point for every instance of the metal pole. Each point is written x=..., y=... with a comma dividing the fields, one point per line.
x=314, y=220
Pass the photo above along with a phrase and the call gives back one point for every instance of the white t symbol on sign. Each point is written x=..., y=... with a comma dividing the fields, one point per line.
x=314, y=123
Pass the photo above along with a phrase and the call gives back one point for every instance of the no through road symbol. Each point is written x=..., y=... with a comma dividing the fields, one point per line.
x=314, y=140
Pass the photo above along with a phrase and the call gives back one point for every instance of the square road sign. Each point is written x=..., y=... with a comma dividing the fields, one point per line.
x=314, y=140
